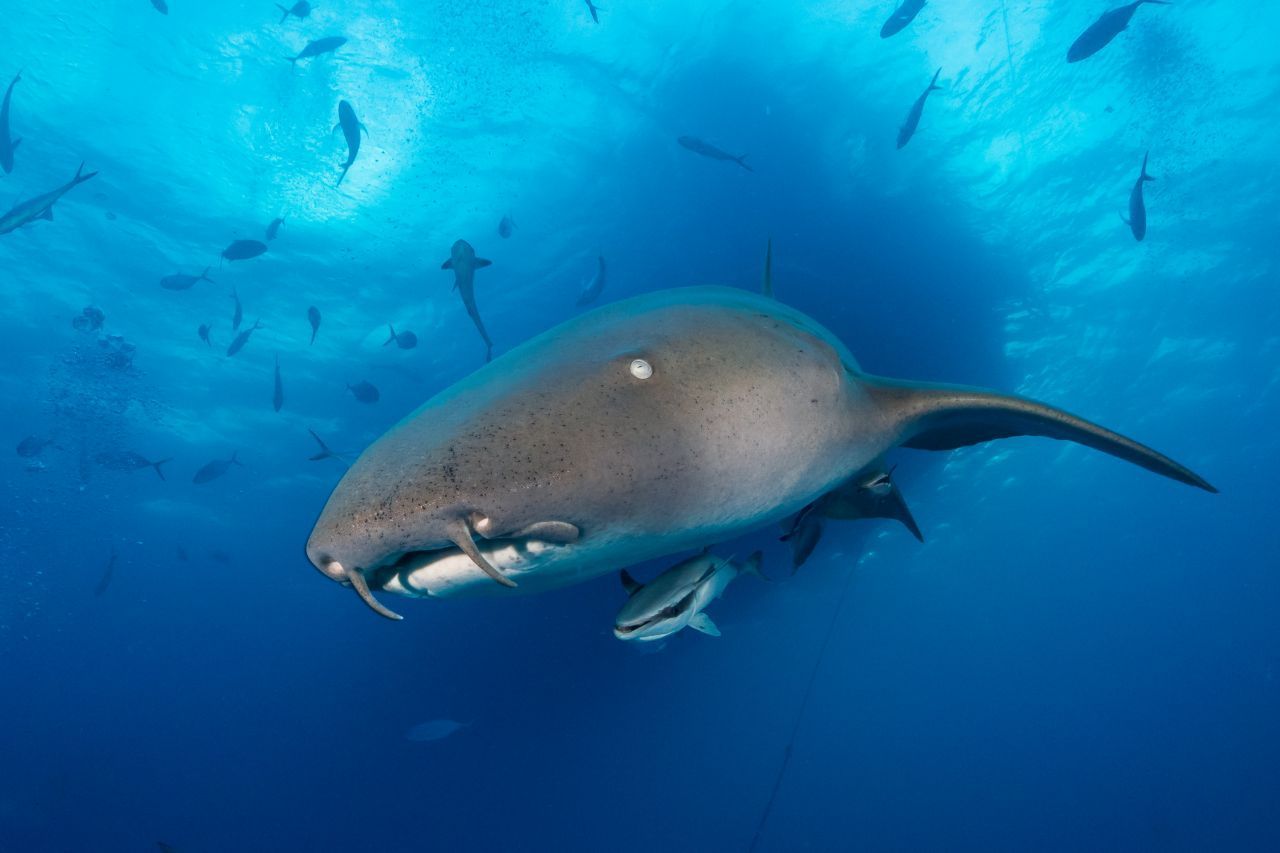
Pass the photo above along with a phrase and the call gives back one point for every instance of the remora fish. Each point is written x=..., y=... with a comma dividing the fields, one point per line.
x=706, y=149
x=351, y=127
x=243, y=338
x=237, y=314
x=464, y=263
x=40, y=207
x=870, y=495
x=299, y=10
x=901, y=16
x=1102, y=31
x=677, y=597
x=909, y=126
x=215, y=469
x=640, y=429
x=127, y=460
x=8, y=145
x=1137, y=220
x=313, y=317
x=318, y=47
x=277, y=396
x=182, y=281
x=595, y=287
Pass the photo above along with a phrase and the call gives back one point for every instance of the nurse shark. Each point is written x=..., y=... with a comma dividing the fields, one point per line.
x=650, y=426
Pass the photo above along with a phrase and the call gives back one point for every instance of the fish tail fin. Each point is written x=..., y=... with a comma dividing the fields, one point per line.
x=156, y=465
x=17, y=78
x=742, y=161
x=1144, y=176
x=345, y=167
x=81, y=177
x=944, y=417
x=313, y=337
x=392, y=337
x=285, y=16
x=235, y=460
x=204, y=276
x=293, y=60
x=752, y=566
x=933, y=84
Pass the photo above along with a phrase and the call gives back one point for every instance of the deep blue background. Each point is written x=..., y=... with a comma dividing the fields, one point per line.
x=1081, y=656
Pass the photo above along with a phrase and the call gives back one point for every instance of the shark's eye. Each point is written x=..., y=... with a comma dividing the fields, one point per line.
x=641, y=369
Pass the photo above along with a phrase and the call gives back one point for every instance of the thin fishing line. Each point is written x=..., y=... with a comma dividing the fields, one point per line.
x=804, y=704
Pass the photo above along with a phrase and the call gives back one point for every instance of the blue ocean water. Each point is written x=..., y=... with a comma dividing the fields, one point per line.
x=1081, y=655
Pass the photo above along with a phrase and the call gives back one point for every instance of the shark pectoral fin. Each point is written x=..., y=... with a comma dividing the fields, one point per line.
x=898, y=509
x=358, y=583
x=630, y=584
x=448, y=265
x=702, y=622
x=13, y=146
x=459, y=534
x=48, y=213
x=941, y=417
x=481, y=262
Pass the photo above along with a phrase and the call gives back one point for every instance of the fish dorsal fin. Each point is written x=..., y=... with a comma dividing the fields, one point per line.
x=630, y=584
x=702, y=622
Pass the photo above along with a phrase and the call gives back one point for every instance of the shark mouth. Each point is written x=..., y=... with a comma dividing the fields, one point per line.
x=439, y=571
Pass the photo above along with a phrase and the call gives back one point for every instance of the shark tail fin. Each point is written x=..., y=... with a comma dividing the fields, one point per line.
x=1144, y=176
x=392, y=336
x=235, y=458
x=156, y=465
x=81, y=177
x=944, y=417
x=286, y=12
x=933, y=84
x=742, y=161
x=204, y=276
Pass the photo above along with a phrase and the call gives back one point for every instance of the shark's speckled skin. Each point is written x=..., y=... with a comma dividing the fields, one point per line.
x=752, y=411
